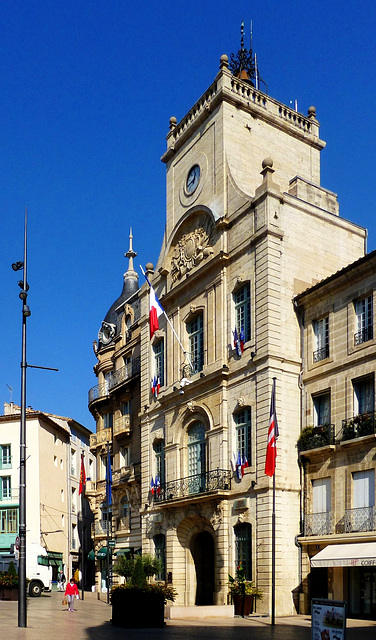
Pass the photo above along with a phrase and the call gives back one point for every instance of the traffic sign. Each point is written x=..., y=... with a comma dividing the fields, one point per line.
x=17, y=543
x=111, y=543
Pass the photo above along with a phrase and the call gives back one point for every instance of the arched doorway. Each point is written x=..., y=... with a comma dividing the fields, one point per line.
x=203, y=557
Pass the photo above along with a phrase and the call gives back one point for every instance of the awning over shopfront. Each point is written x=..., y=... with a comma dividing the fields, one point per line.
x=102, y=553
x=91, y=555
x=358, y=554
x=124, y=551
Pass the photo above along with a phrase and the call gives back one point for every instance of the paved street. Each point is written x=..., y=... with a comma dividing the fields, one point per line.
x=47, y=619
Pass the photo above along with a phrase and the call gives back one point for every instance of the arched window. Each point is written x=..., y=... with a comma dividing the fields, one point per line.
x=196, y=457
x=160, y=552
x=243, y=547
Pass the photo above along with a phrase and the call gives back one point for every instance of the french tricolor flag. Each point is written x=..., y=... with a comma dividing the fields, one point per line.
x=155, y=310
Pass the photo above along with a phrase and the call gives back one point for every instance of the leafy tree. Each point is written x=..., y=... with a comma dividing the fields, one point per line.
x=11, y=569
x=152, y=565
x=124, y=566
x=138, y=578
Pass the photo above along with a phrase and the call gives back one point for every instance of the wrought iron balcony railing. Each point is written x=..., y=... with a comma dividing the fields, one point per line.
x=115, y=378
x=318, y=524
x=100, y=528
x=321, y=354
x=314, y=437
x=363, y=335
x=193, y=485
x=360, y=519
x=361, y=425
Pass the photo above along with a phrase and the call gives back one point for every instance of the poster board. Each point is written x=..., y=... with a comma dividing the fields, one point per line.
x=328, y=619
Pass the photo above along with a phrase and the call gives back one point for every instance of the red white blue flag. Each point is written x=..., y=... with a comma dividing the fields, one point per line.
x=273, y=433
x=155, y=310
x=157, y=485
x=155, y=386
x=152, y=486
x=237, y=343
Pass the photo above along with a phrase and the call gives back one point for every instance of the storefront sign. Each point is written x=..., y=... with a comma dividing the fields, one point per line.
x=328, y=620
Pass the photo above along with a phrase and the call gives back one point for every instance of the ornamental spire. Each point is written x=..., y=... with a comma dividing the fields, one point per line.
x=243, y=64
x=130, y=254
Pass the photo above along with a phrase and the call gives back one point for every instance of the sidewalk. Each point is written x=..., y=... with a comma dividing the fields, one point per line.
x=47, y=619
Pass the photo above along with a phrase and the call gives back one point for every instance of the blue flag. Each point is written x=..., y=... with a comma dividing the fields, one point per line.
x=109, y=481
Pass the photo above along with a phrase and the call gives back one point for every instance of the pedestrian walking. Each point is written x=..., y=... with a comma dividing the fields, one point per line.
x=71, y=592
x=60, y=581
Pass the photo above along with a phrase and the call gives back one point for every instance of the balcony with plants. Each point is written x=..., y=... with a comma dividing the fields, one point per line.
x=314, y=437
x=358, y=426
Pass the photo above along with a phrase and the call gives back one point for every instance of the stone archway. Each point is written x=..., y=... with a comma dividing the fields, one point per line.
x=202, y=549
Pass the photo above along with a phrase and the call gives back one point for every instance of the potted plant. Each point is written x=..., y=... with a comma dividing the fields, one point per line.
x=243, y=592
x=9, y=584
x=138, y=604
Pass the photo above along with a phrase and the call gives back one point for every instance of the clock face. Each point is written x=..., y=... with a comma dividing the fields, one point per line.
x=193, y=179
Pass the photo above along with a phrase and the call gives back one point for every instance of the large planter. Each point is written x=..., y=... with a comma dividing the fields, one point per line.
x=137, y=609
x=9, y=594
x=238, y=604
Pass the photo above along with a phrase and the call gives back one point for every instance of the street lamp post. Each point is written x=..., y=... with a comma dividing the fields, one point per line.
x=22, y=490
x=17, y=266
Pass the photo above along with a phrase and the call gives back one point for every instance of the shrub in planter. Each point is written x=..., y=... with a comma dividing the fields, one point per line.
x=8, y=586
x=139, y=605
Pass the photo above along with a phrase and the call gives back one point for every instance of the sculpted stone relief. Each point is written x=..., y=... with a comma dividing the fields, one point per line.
x=191, y=249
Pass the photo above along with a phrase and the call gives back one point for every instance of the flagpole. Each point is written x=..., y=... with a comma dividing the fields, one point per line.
x=273, y=533
x=273, y=554
x=82, y=532
x=169, y=322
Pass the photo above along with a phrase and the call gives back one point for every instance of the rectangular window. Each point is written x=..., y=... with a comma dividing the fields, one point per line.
x=364, y=395
x=321, y=333
x=124, y=457
x=9, y=521
x=158, y=350
x=243, y=433
x=321, y=409
x=159, y=460
x=5, y=485
x=5, y=459
x=242, y=311
x=243, y=547
x=321, y=495
x=364, y=489
x=195, y=330
x=126, y=408
x=107, y=420
x=364, y=320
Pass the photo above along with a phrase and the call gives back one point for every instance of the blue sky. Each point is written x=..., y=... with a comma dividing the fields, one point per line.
x=87, y=89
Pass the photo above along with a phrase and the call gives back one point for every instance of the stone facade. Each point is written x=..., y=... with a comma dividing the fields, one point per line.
x=248, y=226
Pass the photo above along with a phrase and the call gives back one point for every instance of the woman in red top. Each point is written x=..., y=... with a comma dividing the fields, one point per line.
x=70, y=592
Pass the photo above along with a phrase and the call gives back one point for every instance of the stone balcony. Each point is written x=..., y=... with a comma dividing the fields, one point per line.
x=122, y=426
x=99, y=438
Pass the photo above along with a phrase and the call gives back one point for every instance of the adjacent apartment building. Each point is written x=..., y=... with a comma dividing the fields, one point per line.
x=54, y=513
x=337, y=446
x=248, y=227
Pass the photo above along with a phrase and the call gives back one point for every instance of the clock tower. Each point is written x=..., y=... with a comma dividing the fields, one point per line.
x=248, y=226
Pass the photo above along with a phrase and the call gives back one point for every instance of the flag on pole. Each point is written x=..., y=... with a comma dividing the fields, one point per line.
x=109, y=482
x=241, y=339
x=152, y=486
x=155, y=310
x=155, y=386
x=82, y=477
x=273, y=433
x=157, y=485
x=237, y=344
x=244, y=463
x=238, y=466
